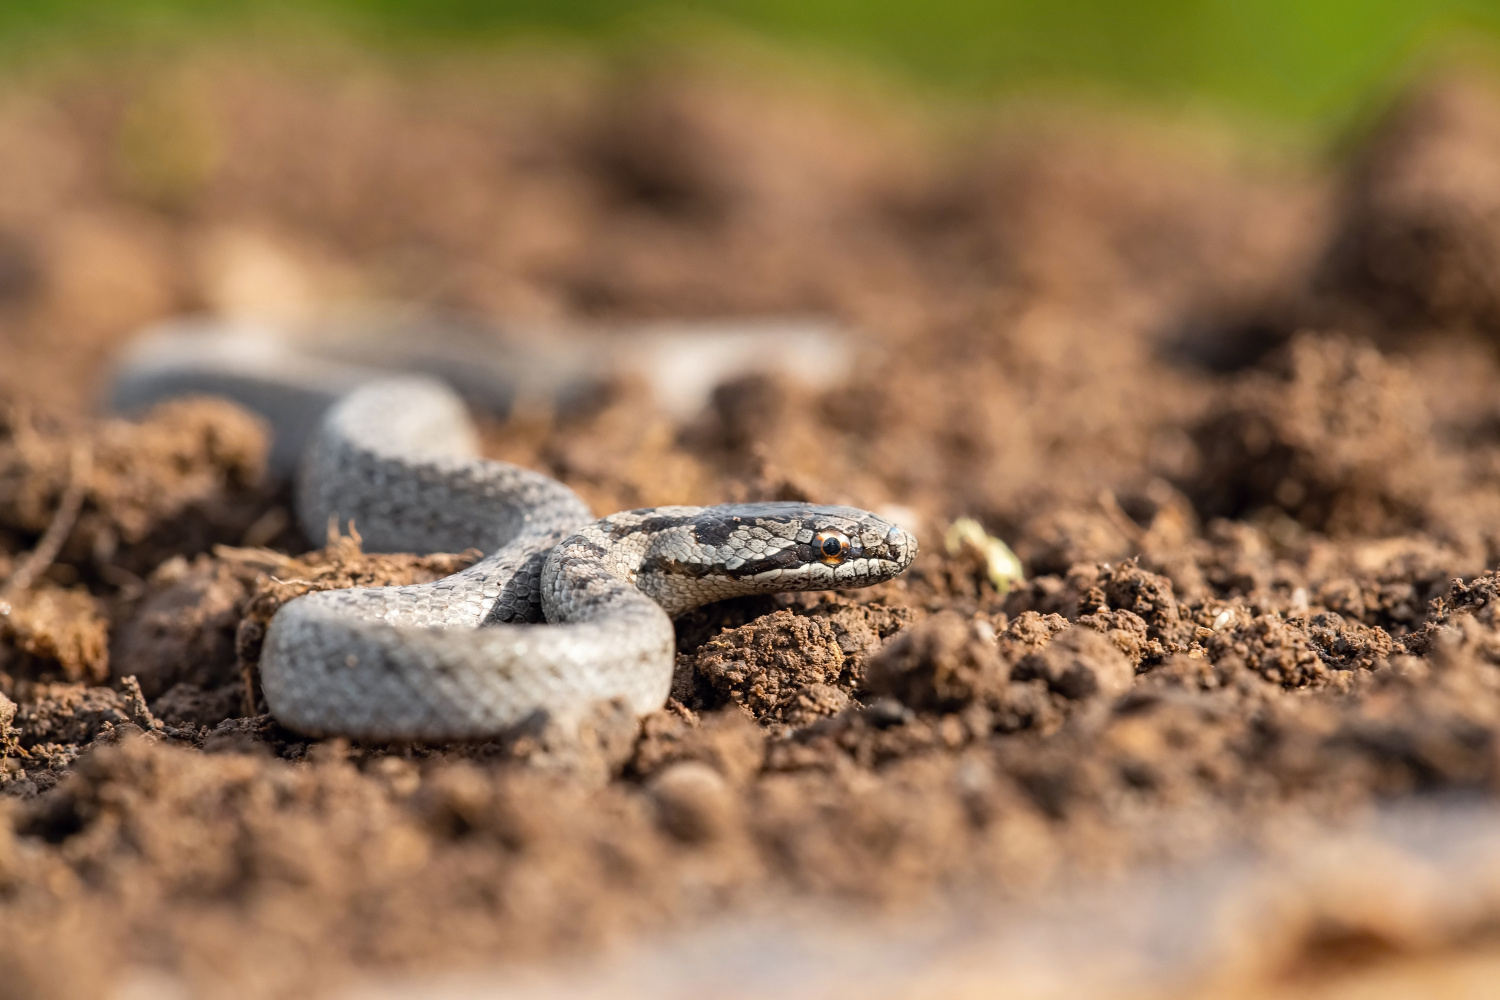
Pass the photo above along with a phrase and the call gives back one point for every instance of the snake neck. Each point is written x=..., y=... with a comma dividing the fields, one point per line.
x=587, y=578
x=617, y=560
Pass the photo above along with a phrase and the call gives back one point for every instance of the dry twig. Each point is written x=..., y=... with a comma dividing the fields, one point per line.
x=35, y=562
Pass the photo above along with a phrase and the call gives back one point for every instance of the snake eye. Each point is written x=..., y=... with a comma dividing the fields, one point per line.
x=832, y=546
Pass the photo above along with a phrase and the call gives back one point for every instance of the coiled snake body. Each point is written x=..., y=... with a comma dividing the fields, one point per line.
x=468, y=656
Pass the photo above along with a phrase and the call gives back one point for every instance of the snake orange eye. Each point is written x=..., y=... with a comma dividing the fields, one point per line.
x=832, y=546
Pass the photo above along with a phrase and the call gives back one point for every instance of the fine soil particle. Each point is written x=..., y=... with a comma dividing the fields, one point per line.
x=1259, y=565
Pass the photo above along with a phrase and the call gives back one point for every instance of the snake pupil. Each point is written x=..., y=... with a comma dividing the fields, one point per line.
x=831, y=546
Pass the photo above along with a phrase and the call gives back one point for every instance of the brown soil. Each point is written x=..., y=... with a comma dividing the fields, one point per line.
x=1239, y=419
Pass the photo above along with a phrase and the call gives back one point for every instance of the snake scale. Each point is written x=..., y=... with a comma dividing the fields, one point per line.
x=565, y=612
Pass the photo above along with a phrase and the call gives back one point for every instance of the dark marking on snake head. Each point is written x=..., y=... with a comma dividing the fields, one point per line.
x=788, y=558
x=715, y=531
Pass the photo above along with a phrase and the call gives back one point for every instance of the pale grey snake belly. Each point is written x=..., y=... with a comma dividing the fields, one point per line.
x=564, y=613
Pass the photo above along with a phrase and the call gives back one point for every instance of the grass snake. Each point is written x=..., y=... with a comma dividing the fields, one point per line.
x=565, y=612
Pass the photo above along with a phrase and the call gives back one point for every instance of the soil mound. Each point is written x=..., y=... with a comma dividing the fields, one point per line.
x=1258, y=583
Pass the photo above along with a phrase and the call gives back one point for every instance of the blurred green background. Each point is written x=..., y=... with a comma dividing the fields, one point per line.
x=1293, y=60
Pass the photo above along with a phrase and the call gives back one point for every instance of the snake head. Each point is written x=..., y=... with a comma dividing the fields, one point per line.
x=713, y=553
x=839, y=547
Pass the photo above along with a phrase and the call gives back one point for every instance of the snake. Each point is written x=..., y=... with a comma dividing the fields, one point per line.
x=564, y=613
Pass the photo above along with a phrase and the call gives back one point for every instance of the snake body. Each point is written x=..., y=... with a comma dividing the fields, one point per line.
x=565, y=612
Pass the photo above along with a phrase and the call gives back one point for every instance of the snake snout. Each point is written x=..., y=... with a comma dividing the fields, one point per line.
x=902, y=546
x=889, y=547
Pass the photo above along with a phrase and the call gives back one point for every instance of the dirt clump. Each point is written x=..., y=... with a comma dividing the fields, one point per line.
x=50, y=630
x=7, y=731
x=1278, y=651
x=728, y=740
x=1079, y=663
x=791, y=667
x=183, y=629
x=1350, y=645
x=189, y=469
x=942, y=664
x=1333, y=434
x=68, y=713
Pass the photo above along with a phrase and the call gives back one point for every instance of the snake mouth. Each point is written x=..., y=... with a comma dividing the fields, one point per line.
x=815, y=574
x=786, y=569
x=818, y=576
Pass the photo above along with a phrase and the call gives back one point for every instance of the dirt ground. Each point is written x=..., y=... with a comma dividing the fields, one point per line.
x=1237, y=413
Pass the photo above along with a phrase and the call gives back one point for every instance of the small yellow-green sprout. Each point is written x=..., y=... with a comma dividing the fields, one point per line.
x=1000, y=563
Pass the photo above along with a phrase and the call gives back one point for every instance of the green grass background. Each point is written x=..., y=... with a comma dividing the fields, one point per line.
x=1293, y=60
